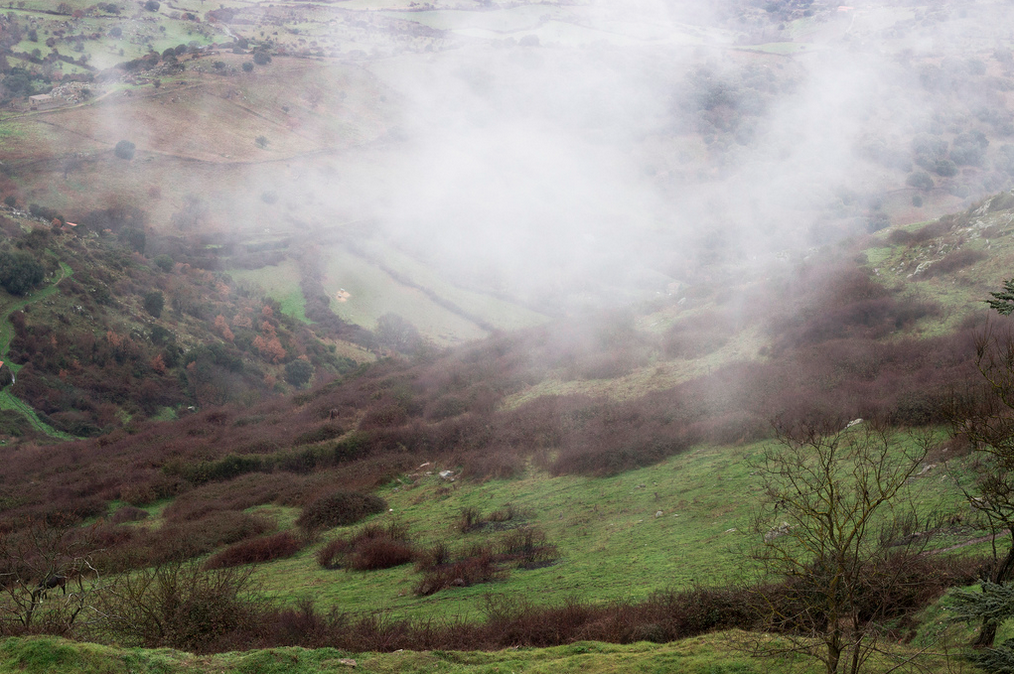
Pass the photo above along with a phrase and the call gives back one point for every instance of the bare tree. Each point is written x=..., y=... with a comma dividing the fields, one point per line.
x=832, y=491
x=985, y=417
x=47, y=578
x=178, y=605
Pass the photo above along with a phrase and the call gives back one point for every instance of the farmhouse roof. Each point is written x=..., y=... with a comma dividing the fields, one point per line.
x=40, y=97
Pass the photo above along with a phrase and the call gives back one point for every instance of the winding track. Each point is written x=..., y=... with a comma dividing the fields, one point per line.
x=8, y=401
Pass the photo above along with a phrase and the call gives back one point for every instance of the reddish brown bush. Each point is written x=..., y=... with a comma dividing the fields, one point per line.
x=184, y=540
x=375, y=547
x=697, y=336
x=478, y=567
x=526, y=548
x=239, y=493
x=380, y=553
x=257, y=550
x=128, y=514
x=339, y=508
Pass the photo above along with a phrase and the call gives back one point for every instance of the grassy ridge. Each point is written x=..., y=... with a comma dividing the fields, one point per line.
x=720, y=653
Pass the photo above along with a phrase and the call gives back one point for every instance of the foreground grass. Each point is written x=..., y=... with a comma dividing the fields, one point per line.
x=720, y=653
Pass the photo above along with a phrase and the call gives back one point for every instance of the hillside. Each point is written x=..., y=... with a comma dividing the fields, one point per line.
x=665, y=149
x=411, y=332
x=606, y=447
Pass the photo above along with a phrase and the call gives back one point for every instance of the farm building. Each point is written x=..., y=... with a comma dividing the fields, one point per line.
x=43, y=102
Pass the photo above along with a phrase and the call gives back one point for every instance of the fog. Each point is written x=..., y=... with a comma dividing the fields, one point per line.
x=570, y=156
x=590, y=170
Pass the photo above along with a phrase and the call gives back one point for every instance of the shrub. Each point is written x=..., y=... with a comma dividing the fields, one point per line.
x=154, y=302
x=375, y=547
x=128, y=514
x=526, y=548
x=164, y=262
x=478, y=566
x=298, y=372
x=945, y=168
x=177, y=606
x=339, y=508
x=178, y=541
x=256, y=550
x=319, y=434
x=955, y=260
x=381, y=553
x=920, y=180
x=700, y=336
x=124, y=149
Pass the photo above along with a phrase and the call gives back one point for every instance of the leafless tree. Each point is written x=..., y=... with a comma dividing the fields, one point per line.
x=832, y=491
x=178, y=605
x=47, y=578
x=985, y=417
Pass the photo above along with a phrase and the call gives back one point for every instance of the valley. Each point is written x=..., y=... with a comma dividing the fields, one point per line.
x=474, y=336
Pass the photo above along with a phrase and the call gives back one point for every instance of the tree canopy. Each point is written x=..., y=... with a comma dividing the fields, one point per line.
x=20, y=272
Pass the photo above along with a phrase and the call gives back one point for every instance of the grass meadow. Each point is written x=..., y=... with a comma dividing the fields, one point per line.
x=619, y=538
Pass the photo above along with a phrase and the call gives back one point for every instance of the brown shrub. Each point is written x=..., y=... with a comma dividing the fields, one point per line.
x=177, y=541
x=339, y=508
x=380, y=553
x=239, y=493
x=128, y=514
x=278, y=546
x=469, y=519
x=493, y=463
x=526, y=548
x=954, y=261
x=375, y=547
x=478, y=567
x=697, y=336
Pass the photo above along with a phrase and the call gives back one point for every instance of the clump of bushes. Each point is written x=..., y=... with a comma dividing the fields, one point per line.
x=477, y=565
x=954, y=261
x=522, y=548
x=375, y=547
x=256, y=550
x=339, y=508
x=697, y=336
x=124, y=150
x=471, y=518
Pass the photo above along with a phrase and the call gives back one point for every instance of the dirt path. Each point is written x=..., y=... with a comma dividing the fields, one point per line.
x=974, y=541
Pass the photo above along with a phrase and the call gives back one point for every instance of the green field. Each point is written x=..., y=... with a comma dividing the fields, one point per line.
x=373, y=293
x=672, y=525
x=280, y=282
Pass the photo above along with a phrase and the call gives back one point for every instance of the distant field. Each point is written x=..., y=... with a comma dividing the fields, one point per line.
x=280, y=282
x=373, y=293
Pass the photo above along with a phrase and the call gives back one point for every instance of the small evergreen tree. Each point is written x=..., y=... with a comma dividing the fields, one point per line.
x=124, y=149
x=298, y=372
x=20, y=272
x=154, y=302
